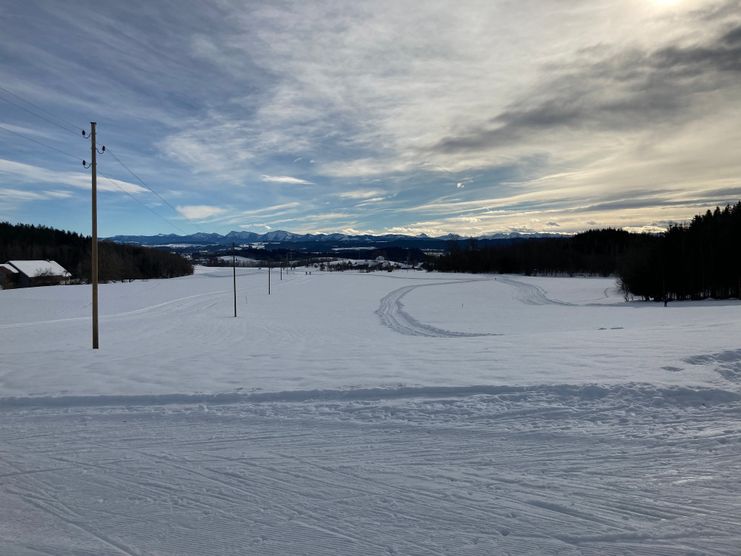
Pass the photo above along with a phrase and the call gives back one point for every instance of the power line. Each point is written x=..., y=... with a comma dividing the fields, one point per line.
x=70, y=126
x=150, y=209
x=109, y=180
x=67, y=126
x=45, y=145
x=78, y=159
x=141, y=181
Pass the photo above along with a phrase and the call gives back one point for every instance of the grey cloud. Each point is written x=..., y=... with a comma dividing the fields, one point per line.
x=601, y=92
x=733, y=37
x=715, y=197
x=724, y=193
x=724, y=55
x=629, y=204
x=718, y=11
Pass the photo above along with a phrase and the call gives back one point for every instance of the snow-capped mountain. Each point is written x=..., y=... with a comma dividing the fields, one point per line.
x=283, y=237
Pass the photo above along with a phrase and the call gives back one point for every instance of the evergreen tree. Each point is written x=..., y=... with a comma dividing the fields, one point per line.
x=72, y=251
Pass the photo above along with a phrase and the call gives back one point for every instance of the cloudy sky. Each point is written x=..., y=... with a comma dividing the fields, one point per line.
x=385, y=116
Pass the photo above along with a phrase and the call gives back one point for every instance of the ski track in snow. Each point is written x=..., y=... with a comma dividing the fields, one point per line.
x=520, y=470
x=182, y=305
x=588, y=457
x=392, y=314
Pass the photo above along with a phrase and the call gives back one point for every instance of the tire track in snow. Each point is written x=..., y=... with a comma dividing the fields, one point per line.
x=392, y=314
x=530, y=294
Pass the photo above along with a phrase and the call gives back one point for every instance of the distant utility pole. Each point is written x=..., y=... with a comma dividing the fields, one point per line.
x=234, y=276
x=268, y=278
x=281, y=271
x=94, y=254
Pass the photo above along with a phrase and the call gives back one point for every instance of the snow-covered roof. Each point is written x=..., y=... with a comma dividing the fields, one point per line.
x=9, y=268
x=37, y=268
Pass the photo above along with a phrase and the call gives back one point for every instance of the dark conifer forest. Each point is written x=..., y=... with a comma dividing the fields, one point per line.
x=593, y=252
x=72, y=251
x=698, y=261
x=695, y=261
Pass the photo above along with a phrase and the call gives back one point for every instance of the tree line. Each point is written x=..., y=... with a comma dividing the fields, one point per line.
x=698, y=260
x=593, y=252
x=695, y=261
x=72, y=251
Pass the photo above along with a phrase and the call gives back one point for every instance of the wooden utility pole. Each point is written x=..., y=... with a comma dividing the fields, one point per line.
x=268, y=278
x=234, y=276
x=94, y=262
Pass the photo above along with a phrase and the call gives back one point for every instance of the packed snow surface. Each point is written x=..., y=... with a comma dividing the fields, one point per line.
x=354, y=413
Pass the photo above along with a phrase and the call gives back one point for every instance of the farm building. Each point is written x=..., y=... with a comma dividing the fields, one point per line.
x=24, y=274
x=8, y=276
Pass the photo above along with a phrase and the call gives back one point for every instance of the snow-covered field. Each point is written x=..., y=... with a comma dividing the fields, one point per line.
x=387, y=413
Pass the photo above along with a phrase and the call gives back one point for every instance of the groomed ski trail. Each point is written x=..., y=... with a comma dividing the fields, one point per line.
x=549, y=469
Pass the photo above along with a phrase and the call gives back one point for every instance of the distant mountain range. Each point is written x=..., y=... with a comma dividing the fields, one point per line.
x=283, y=237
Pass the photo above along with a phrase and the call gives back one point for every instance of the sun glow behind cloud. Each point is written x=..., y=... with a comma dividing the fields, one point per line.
x=537, y=115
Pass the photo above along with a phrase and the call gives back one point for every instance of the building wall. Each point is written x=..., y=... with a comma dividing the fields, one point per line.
x=7, y=279
x=46, y=280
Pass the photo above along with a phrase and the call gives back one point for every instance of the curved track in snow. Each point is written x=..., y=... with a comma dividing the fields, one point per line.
x=392, y=314
x=530, y=294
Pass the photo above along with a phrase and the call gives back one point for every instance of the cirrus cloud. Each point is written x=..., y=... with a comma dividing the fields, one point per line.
x=200, y=212
x=289, y=180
